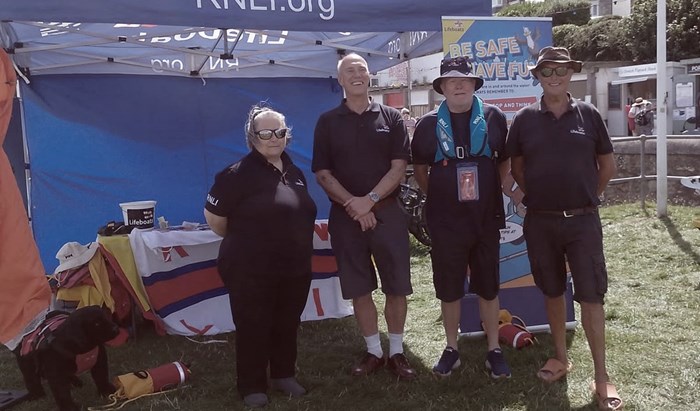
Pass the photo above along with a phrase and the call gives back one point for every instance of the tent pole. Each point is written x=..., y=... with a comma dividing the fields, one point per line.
x=25, y=146
x=661, y=110
x=403, y=53
x=409, y=80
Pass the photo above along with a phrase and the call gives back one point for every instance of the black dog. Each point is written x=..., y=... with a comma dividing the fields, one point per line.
x=51, y=352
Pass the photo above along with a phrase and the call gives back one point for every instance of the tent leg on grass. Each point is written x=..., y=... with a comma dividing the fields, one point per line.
x=10, y=398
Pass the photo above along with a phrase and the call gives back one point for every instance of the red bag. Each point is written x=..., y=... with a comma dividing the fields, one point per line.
x=515, y=335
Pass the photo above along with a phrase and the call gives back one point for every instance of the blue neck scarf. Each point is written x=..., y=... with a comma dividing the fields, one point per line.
x=477, y=126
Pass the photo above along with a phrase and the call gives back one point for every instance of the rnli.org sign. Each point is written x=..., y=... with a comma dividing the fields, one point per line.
x=501, y=52
x=325, y=9
x=693, y=68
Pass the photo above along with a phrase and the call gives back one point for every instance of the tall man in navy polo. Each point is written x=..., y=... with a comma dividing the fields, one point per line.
x=458, y=160
x=562, y=159
x=360, y=154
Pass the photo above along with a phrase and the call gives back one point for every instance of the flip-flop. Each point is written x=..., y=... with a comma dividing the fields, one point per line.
x=553, y=370
x=606, y=399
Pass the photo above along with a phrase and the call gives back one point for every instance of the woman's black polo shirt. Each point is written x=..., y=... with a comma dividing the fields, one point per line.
x=270, y=218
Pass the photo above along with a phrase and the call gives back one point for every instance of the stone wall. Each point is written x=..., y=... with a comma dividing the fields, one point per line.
x=683, y=160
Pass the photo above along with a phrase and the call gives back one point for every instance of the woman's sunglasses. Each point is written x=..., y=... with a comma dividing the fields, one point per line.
x=548, y=71
x=268, y=133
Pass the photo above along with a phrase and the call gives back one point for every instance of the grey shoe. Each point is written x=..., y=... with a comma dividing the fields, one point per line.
x=289, y=386
x=255, y=400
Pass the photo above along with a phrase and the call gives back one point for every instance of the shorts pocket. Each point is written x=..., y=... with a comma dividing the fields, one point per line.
x=537, y=275
x=600, y=274
x=549, y=278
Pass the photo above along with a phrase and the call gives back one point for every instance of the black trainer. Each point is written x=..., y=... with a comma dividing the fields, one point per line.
x=449, y=360
x=496, y=363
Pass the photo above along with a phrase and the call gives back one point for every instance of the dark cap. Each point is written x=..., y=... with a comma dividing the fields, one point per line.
x=558, y=55
x=458, y=67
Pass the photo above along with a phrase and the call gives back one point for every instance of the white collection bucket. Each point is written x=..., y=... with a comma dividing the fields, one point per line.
x=140, y=214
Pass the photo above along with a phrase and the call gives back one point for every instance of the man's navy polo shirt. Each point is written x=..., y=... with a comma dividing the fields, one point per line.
x=358, y=148
x=442, y=203
x=561, y=167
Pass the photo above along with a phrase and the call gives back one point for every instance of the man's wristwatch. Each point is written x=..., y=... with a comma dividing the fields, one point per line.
x=374, y=197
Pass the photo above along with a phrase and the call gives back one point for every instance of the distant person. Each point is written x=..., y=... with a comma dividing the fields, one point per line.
x=642, y=114
x=25, y=295
x=408, y=121
x=360, y=154
x=562, y=158
x=459, y=161
x=261, y=207
x=630, y=120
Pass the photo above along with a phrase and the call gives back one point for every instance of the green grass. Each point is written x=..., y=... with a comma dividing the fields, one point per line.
x=653, y=344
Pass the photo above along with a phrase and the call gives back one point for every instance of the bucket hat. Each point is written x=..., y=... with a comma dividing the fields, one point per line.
x=558, y=55
x=458, y=67
x=73, y=255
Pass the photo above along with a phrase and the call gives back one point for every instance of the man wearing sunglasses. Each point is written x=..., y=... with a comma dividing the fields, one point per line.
x=360, y=154
x=562, y=159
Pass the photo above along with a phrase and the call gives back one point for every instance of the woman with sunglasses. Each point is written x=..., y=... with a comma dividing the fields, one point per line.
x=261, y=207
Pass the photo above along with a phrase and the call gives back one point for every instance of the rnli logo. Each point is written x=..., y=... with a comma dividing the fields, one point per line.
x=383, y=129
x=580, y=131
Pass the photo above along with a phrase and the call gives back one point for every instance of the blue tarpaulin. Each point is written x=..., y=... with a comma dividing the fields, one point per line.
x=145, y=100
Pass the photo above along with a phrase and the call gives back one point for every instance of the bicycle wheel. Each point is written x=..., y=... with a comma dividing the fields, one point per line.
x=419, y=228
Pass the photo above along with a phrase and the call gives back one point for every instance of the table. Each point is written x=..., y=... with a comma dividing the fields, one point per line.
x=179, y=275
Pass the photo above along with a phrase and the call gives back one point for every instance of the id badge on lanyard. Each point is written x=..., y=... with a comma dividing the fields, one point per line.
x=467, y=182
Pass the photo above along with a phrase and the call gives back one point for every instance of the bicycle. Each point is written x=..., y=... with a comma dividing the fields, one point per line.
x=412, y=200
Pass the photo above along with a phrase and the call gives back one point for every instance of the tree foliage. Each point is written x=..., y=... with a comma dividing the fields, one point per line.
x=602, y=39
x=561, y=11
x=682, y=32
x=614, y=38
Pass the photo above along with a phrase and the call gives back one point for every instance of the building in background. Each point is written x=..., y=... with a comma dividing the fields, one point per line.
x=610, y=86
x=409, y=84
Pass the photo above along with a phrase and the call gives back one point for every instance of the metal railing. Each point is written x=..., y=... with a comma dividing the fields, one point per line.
x=643, y=177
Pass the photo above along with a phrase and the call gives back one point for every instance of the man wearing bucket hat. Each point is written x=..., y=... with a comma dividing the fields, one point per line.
x=458, y=161
x=562, y=159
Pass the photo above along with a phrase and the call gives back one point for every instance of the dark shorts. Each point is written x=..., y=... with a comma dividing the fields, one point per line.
x=453, y=251
x=552, y=241
x=385, y=247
